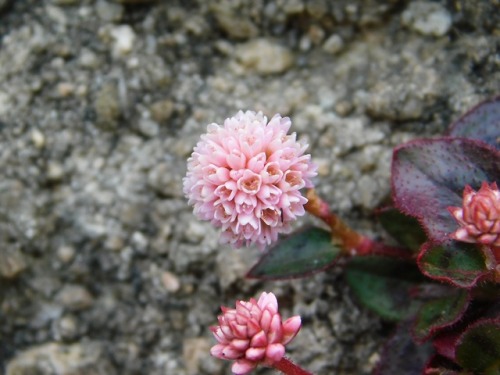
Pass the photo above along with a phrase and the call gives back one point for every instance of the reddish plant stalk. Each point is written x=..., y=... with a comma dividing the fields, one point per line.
x=287, y=367
x=351, y=242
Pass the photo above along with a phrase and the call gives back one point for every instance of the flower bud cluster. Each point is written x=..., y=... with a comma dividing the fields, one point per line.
x=245, y=177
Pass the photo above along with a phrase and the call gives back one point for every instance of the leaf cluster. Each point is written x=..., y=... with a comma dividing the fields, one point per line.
x=444, y=294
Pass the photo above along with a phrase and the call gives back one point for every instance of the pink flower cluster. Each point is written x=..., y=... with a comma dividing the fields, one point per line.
x=253, y=333
x=245, y=177
x=479, y=216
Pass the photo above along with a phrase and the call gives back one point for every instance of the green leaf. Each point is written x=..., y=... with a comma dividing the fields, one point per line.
x=382, y=285
x=403, y=228
x=478, y=349
x=298, y=255
x=440, y=313
x=458, y=263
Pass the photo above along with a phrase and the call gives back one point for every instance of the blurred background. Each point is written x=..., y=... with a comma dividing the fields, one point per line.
x=103, y=267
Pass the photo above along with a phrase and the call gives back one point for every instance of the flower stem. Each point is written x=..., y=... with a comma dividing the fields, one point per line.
x=289, y=368
x=351, y=242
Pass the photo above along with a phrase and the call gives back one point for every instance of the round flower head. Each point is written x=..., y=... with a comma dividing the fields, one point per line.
x=479, y=217
x=253, y=333
x=245, y=177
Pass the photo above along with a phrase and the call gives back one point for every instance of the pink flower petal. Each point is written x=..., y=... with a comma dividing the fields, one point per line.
x=247, y=165
x=255, y=354
x=242, y=367
x=291, y=327
x=275, y=352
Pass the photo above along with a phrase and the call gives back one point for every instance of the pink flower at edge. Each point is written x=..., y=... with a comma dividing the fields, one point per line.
x=479, y=216
x=245, y=178
x=253, y=333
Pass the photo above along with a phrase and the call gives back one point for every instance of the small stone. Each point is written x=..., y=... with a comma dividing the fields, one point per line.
x=88, y=59
x=12, y=262
x=368, y=191
x=56, y=15
x=38, y=138
x=139, y=241
x=427, y=18
x=55, y=171
x=75, y=297
x=148, y=127
x=170, y=281
x=66, y=253
x=343, y=108
x=110, y=12
x=334, y=44
x=195, y=231
x=114, y=243
x=65, y=328
x=317, y=8
x=65, y=89
x=162, y=110
x=235, y=26
x=124, y=38
x=107, y=106
x=264, y=57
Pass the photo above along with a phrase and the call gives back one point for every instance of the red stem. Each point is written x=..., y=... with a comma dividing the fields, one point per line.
x=289, y=368
x=351, y=242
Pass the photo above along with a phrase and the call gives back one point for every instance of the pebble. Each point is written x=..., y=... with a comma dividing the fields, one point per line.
x=195, y=231
x=427, y=18
x=170, y=281
x=162, y=110
x=65, y=89
x=56, y=15
x=38, y=139
x=124, y=38
x=107, y=11
x=88, y=59
x=107, y=105
x=74, y=297
x=12, y=262
x=334, y=44
x=66, y=253
x=234, y=26
x=139, y=241
x=65, y=328
x=55, y=171
x=264, y=57
x=148, y=127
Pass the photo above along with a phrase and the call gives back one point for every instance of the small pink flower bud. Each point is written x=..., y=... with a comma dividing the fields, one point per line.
x=253, y=333
x=479, y=217
x=245, y=177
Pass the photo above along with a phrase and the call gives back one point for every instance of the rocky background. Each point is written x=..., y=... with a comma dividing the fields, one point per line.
x=103, y=267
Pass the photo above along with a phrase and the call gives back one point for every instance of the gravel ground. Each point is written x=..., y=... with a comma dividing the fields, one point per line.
x=103, y=267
